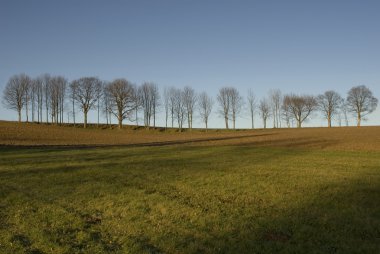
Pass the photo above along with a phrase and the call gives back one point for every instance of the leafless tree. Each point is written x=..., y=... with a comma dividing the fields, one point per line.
x=46, y=87
x=275, y=97
x=344, y=110
x=86, y=94
x=155, y=102
x=251, y=99
x=299, y=107
x=224, y=101
x=137, y=102
x=286, y=115
x=329, y=104
x=62, y=97
x=28, y=86
x=33, y=96
x=205, y=103
x=179, y=107
x=106, y=103
x=147, y=100
x=57, y=97
x=361, y=102
x=99, y=99
x=236, y=103
x=172, y=102
x=14, y=93
x=189, y=100
x=264, y=109
x=122, y=103
x=73, y=89
x=166, y=105
x=38, y=84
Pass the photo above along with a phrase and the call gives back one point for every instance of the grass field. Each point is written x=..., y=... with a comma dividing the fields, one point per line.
x=69, y=190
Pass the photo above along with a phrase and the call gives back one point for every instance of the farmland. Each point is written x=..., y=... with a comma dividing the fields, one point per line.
x=65, y=189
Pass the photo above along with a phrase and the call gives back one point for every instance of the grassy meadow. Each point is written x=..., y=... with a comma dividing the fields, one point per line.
x=69, y=190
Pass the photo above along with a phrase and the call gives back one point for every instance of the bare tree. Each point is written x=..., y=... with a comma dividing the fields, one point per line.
x=14, y=93
x=166, y=105
x=62, y=97
x=224, y=101
x=361, y=102
x=46, y=87
x=155, y=102
x=236, y=102
x=73, y=90
x=137, y=102
x=286, y=115
x=122, y=103
x=275, y=100
x=145, y=95
x=28, y=85
x=33, y=96
x=38, y=83
x=86, y=94
x=205, y=103
x=344, y=110
x=251, y=99
x=172, y=102
x=329, y=104
x=189, y=100
x=57, y=97
x=264, y=109
x=106, y=103
x=179, y=107
x=299, y=107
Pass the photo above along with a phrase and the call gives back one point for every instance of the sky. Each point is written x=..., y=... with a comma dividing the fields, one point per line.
x=302, y=47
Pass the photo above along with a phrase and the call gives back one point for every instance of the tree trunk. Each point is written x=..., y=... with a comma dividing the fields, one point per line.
x=85, y=120
x=33, y=110
x=359, y=119
x=329, y=119
x=26, y=111
x=252, y=120
x=166, y=120
x=120, y=124
x=226, y=120
x=234, y=119
x=98, y=113
x=73, y=113
x=137, y=120
x=154, y=117
x=172, y=119
x=19, y=115
x=47, y=112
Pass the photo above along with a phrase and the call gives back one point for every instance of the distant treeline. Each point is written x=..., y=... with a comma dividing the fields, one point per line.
x=46, y=99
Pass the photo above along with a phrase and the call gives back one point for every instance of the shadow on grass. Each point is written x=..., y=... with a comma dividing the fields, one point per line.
x=346, y=220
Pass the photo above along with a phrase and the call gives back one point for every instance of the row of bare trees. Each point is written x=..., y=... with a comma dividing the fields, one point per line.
x=123, y=100
x=22, y=92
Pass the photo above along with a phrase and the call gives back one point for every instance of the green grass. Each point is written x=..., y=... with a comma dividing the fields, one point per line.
x=187, y=199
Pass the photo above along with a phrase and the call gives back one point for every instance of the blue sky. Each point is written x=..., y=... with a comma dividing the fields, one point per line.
x=306, y=47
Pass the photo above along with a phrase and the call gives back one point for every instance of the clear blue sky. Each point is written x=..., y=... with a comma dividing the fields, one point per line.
x=304, y=46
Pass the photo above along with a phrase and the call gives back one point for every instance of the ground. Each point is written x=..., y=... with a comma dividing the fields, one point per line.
x=70, y=190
